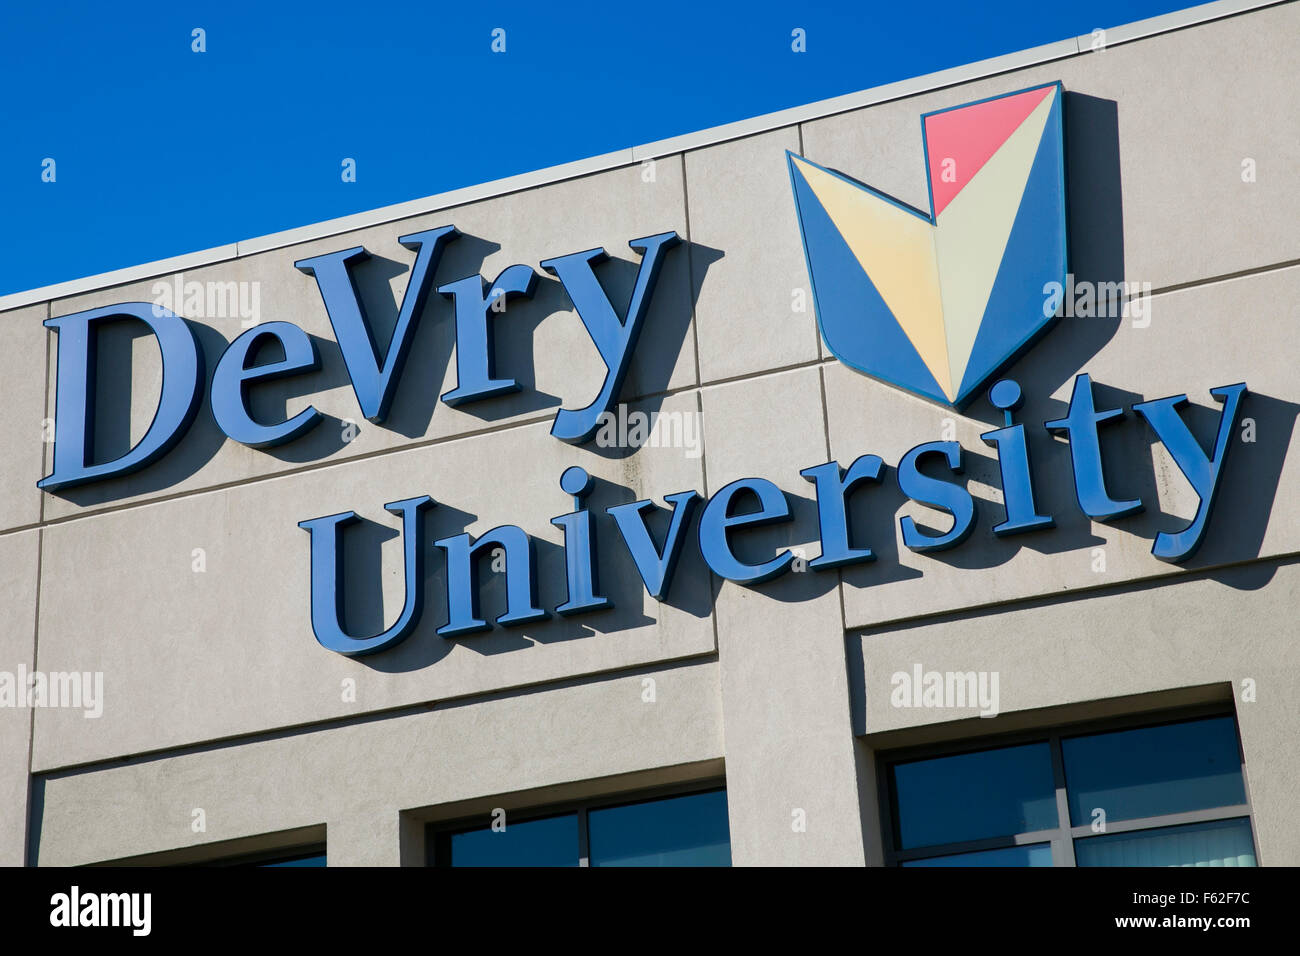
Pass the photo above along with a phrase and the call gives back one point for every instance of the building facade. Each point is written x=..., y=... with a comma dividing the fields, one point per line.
x=595, y=601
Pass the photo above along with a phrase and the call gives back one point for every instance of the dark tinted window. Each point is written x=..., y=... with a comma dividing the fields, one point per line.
x=552, y=841
x=1034, y=854
x=1175, y=791
x=1131, y=774
x=316, y=859
x=679, y=831
x=975, y=795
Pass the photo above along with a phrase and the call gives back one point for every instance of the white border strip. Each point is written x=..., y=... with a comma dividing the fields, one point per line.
x=1061, y=49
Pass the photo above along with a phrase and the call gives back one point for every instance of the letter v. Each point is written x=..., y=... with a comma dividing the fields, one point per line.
x=373, y=383
x=656, y=566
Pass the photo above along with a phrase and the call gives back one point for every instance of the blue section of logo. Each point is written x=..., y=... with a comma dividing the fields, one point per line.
x=1036, y=255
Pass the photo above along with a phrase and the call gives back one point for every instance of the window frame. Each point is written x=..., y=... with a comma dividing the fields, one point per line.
x=438, y=834
x=1061, y=837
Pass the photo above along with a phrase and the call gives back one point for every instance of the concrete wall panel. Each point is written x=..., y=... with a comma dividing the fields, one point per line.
x=740, y=203
x=372, y=770
x=19, y=569
x=196, y=655
x=23, y=430
x=791, y=781
x=1133, y=640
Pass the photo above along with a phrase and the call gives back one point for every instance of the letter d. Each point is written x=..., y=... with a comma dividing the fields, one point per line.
x=74, y=422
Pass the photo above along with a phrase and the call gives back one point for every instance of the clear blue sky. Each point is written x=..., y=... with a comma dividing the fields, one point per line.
x=160, y=150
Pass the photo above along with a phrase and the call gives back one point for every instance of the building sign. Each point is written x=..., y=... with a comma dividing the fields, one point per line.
x=936, y=304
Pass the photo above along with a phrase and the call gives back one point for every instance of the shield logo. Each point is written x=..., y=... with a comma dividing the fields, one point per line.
x=938, y=303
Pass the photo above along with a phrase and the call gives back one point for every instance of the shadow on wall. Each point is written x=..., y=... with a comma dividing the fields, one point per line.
x=692, y=592
x=1235, y=532
x=1095, y=223
x=666, y=326
x=123, y=344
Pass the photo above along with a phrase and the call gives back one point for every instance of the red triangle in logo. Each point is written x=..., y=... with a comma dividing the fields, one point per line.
x=959, y=142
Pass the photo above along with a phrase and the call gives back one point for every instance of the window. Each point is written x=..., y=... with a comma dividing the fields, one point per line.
x=1125, y=793
x=297, y=856
x=549, y=841
x=678, y=829
x=311, y=859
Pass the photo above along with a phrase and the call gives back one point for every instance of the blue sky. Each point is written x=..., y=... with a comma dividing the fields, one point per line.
x=160, y=150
